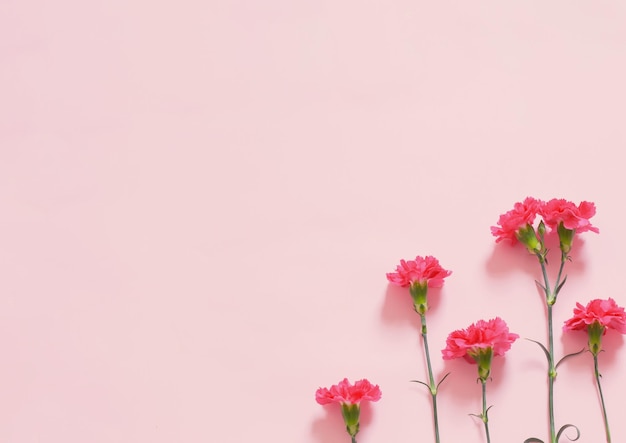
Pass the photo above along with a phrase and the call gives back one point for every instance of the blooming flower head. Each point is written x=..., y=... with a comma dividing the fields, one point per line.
x=517, y=224
x=344, y=392
x=573, y=217
x=479, y=343
x=419, y=275
x=568, y=219
x=597, y=317
x=349, y=397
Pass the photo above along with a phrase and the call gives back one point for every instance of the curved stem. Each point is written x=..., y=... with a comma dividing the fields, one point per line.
x=431, y=378
x=606, y=421
x=484, y=414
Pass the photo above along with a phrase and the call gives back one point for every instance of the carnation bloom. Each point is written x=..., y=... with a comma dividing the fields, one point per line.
x=344, y=392
x=423, y=270
x=573, y=217
x=419, y=275
x=568, y=219
x=597, y=317
x=479, y=343
x=516, y=224
x=349, y=397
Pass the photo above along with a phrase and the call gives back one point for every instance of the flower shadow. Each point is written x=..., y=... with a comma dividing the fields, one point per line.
x=574, y=341
x=331, y=428
x=398, y=306
x=463, y=379
x=463, y=388
x=507, y=258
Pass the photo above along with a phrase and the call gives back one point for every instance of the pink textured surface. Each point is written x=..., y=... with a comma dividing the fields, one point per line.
x=200, y=201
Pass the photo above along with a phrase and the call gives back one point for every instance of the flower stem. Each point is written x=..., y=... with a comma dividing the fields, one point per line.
x=353, y=439
x=551, y=376
x=550, y=301
x=431, y=378
x=606, y=421
x=484, y=414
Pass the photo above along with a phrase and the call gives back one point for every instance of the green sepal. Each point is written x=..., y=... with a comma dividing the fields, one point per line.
x=566, y=238
x=418, y=292
x=595, y=331
x=528, y=237
x=351, y=414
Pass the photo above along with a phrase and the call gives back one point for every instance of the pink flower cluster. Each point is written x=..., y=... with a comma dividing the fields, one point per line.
x=423, y=270
x=606, y=313
x=346, y=393
x=483, y=335
x=553, y=212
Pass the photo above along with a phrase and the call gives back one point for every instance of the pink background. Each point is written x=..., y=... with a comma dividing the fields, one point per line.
x=200, y=201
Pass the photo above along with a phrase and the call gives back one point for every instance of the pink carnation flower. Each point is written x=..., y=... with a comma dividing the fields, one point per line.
x=422, y=270
x=606, y=313
x=573, y=217
x=345, y=393
x=522, y=215
x=478, y=337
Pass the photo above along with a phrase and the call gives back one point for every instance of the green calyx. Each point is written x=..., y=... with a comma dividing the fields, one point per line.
x=351, y=414
x=528, y=237
x=566, y=238
x=483, y=358
x=418, y=292
x=595, y=331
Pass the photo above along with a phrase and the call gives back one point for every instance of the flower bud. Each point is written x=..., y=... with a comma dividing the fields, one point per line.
x=541, y=230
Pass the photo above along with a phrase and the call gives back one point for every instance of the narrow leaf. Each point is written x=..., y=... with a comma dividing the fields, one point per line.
x=563, y=428
x=421, y=383
x=444, y=377
x=544, y=350
x=568, y=356
x=541, y=286
x=558, y=288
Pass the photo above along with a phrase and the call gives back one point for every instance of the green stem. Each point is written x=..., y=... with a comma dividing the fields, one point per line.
x=353, y=439
x=484, y=414
x=431, y=378
x=550, y=300
x=606, y=421
x=551, y=376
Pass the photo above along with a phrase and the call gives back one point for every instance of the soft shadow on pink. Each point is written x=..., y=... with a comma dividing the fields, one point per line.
x=507, y=258
x=331, y=428
x=398, y=307
x=574, y=341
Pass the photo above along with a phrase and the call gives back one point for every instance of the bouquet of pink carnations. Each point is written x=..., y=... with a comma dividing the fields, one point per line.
x=528, y=224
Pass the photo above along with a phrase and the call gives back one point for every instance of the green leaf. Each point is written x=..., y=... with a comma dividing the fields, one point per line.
x=558, y=288
x=563, y=428
x=568, y=356
x=544, y=350
x=444, y=377
x=421, y=383
x=541, y=286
